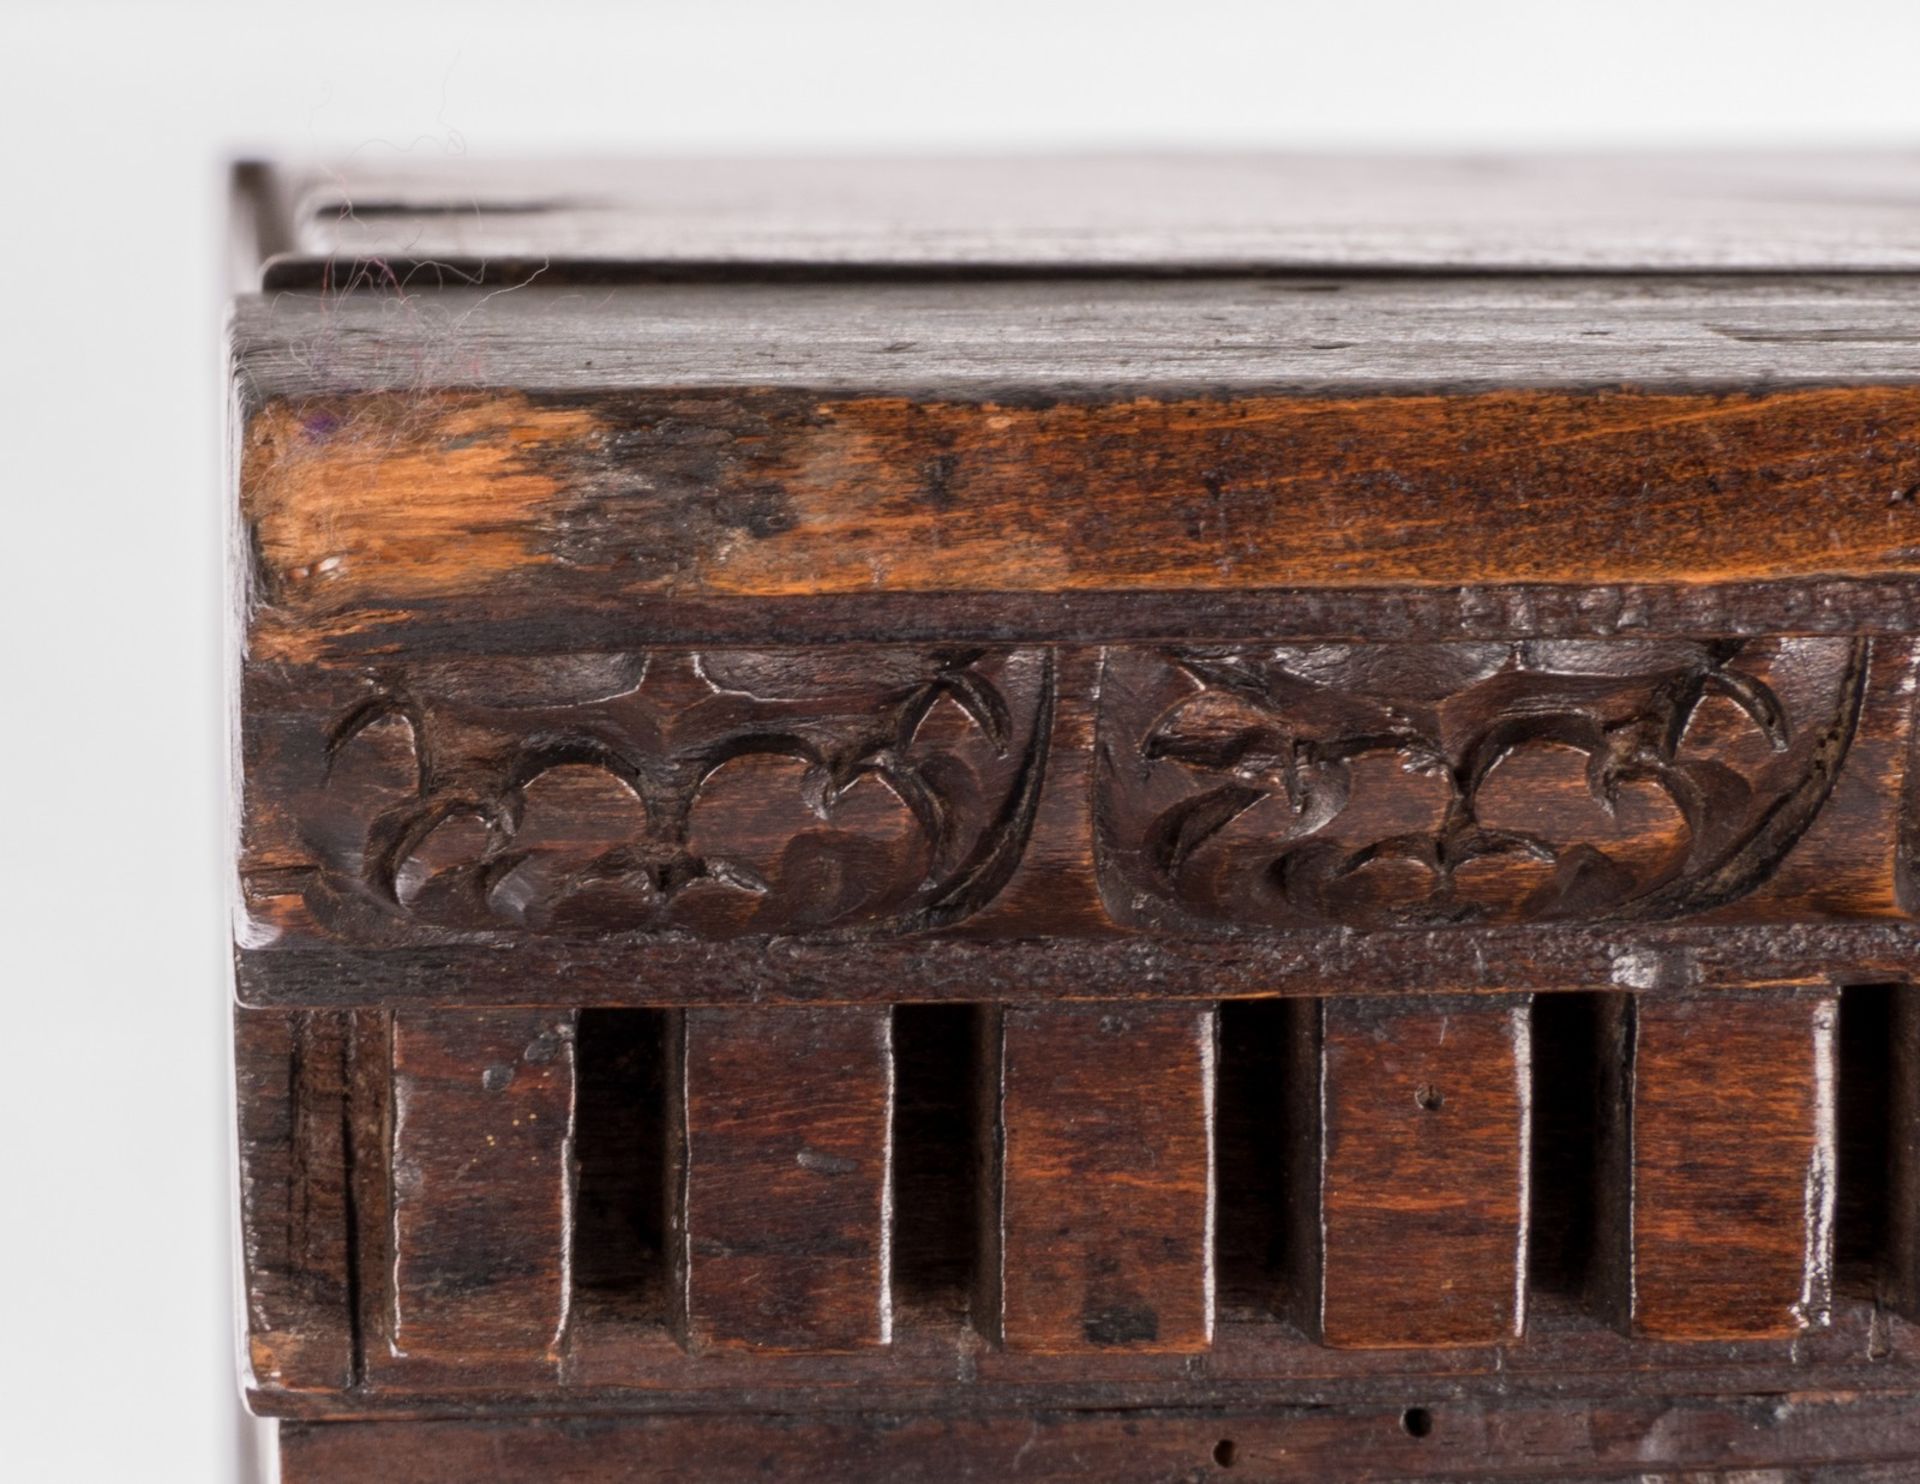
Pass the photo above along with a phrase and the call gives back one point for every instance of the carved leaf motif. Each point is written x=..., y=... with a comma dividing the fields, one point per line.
x=1224, y=733
x=981, y=700
x=1184, y=828
x=1656, y=815
x=911, y=779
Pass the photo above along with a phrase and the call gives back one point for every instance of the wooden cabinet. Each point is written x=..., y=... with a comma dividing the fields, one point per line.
x=1112, y=820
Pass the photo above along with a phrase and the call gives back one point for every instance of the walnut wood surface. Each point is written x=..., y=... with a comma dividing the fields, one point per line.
x=958, y=969
x=784, y=1219
x=1723, y=1184
x=363, y=506
x=1104, y=1231
x=615, y=810
x=1389, y=1200
x=1411, y=1203
x=852, y=866
x=482, y=1119
x=297, y=1259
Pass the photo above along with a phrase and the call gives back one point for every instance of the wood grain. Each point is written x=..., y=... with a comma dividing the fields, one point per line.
x=481, y=1179
x=292, y=1073
x=1010, y=337
x=618, y=1367
x=1411, y=1180
x=605, y=799
x=1104, y=621
x=1654, y=958
x=1105, y=1231
x=360, y=506
x=1718, y=1207
x=783, y=1225
x=1854, y=851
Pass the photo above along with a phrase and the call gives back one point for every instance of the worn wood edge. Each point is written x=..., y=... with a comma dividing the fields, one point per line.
x=1616, y=1292
x=295, y=1296
x=1253, y=1363
x=1515, y=1439
x=942, y=1369
x=662, y=970
x=934, y=1396
x=1816, y=607
x=1014, y=337
x=389, y=513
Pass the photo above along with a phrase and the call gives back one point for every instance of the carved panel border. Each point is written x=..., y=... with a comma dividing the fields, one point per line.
x=667, y=803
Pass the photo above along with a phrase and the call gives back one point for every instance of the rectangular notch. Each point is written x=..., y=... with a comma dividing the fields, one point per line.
x=1900, y=1272
x=1866, y=1114
x=1252, y=1137
x=938, y=1160
x=620, y=1151
x=1570, y=1089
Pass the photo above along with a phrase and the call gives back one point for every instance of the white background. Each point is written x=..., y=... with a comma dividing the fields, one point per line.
x=116, y=1357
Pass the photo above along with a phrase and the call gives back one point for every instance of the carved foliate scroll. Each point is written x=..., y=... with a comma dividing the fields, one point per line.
x=734, y=793
x=1432, y=784
x=720, y=793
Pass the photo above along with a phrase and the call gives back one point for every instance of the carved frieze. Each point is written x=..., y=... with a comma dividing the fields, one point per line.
x=1392, y=785
x=884, y=791
x=721, y=793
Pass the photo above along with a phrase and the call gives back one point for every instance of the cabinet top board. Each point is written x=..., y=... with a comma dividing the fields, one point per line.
x=1853, y=212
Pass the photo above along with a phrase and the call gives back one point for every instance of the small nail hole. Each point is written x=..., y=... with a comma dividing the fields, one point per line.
x=1417, y=1421
x=1428, y=1097
x=1224, y=1453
